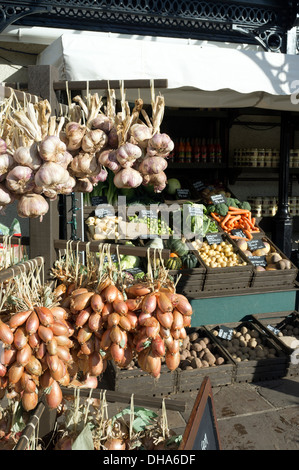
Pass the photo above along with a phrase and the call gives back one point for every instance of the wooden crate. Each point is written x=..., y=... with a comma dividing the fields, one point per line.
x=228, y=279
x=191, y=281
x=256, y=370
x=140, y=382
x=190, y=380
x=280, y=278
x=271, y=323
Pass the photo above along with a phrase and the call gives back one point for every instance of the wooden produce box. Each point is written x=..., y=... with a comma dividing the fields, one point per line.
x=279, y=324
x=191, y=379
x=228, y=279
x=271, y=279
x=190, y=281
x=140, y=382
x=254, y=367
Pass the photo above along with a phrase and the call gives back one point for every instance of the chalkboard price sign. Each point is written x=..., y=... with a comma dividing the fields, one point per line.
x=225, y=332
x=258, y=260
x=97, y=200
x=201, y=432
x=183, y=193
x=238, y=233
x=218, y=199
x=199, y=186
x=255, y=244
x=214, y=238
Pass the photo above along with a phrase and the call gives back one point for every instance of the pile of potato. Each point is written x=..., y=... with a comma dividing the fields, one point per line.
x=247, y=344
x=198, y=351
x=219, y=256
x=273, y=259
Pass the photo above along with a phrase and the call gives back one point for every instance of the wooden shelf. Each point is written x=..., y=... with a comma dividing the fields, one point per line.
x=193, y=165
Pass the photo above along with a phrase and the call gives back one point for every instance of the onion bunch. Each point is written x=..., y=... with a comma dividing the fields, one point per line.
x=36, y=355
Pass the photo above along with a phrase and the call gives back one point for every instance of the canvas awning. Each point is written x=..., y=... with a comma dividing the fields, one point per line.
x=209, y=76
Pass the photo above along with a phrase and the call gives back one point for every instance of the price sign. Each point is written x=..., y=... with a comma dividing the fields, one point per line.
x=214, y=238
x=255, y=244
x=183, y=193
x=218, y=199
x=225, y=332
x=195, y=209
x=276, y=331
x=258, y=260
x=238, y=233
x=97, y=200
x=199, y=186
x=148, y=214
x=103, y=211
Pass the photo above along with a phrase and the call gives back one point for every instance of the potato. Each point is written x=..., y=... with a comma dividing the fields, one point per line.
x=281, y=265
x=193, y=336
x=244, y=330
x=204, y=363
x=196, y=363
x=259, y=252
x=273, y=258
x=196, y=347
x=252, y=343
x=242, y=245
x=271, y=267
x=210, y=358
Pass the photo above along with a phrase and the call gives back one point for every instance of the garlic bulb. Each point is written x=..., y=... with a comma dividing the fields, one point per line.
x=74, y=133
x=28, y=156
x=20, y=180
x=127, y=178
x=6, y=163
x=140, y=135
x=83, y=185
x=84, y=165
x=160, y=145
x=94, y=141
x=127, y=154
x=113, y=138
x=102, y=122
x=50, y=174
x=66, y=188
x=159, y=181
x=3, y=146
x=108, y=158
x=33, y=206
x=65, y=160
x=100, y=177
x=6, y=197
x=152, y=165
x=51, y=148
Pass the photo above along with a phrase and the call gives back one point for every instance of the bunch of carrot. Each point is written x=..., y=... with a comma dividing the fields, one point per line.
x=237, y=219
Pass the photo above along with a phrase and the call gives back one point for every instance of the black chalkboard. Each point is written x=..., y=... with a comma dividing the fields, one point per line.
x=255, y=244
x=214, y=238
x=183, y=194
x=97, y=200
x=258, y=260
x=218, y=199
x=238, y=233
x=201, y=432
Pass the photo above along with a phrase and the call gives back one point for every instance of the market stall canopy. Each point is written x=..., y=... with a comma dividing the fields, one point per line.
x=198, y=77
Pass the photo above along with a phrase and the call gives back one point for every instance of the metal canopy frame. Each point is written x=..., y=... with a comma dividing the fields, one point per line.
x=263, y=22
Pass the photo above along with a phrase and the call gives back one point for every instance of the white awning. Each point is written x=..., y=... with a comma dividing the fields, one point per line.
x=198, y=76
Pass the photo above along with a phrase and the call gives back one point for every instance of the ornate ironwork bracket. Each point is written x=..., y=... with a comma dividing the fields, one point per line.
x=9, y=14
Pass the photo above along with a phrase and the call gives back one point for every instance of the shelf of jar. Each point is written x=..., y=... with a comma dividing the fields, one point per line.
x=200, y=165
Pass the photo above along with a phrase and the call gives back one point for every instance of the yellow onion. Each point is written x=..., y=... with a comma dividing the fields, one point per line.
x=8, y=356
x=52, y=347
x=117, y=353
x=53, y=362
x=95, y=321
x=152, y=327
x=24, y=355
x=165, y=319
x=59, y=373
x=110, y=293
x=164, y=302
x=125, y=323
x=149, y=303
x=84, y=334
x=132, y=317
x=186, y=321
x=113, y=319
x=134, y=304
x=65, y=380
x=34, y=340
x=46, y=380
x=15, y=373
x=59, y=313
x=142, y=343
x=183, y=305
x=172, y=360
x=20, y=337
x=142, y=317
x=29, y=400
x=6, y=335
x=64, y=354
x=178, y=321
x=128, y=357
x=45, y=334
x=32, y=323
x=96, y=303
x=115, y=334
x=41, y=351
x=105, y=340
x=81, y=301
x=45, y=316
x=3, y=370
x=95, y=364
x=34, y=367
x=54, y=398
x=175, y=333
x=82, y=317
x=63, y=340
x=59, y=328
x=107, y=310
x=120, y=307
x=137, y=290
x=150, y=363
x=173, y=346
x=158, y=346
x=18, y=319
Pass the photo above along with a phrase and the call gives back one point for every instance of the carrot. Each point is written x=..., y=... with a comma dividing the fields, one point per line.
x=225, y=220
x=238, y=211
x=248, y=233
x=215, y=216
x=253, y=220
x=250, y=224
x=234, y=237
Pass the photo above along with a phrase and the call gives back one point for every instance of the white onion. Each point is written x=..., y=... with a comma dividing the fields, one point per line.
x=152, y=165
x=20, y=180
x=6, y=163
x=127, y=154
x=33, y=206
x=51, y=148
x=50, y=174
x=94, y=140
x=160, y=145
x=6, y=197
x=141, y=134
x=127, y=178
x=28, y=156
